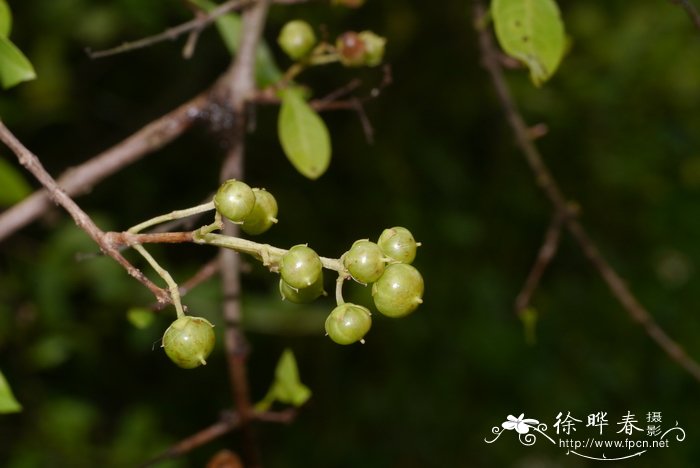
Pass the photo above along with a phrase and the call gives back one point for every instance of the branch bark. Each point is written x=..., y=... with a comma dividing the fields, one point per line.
x=33, y=165
x=82, y=179
x=547, y=183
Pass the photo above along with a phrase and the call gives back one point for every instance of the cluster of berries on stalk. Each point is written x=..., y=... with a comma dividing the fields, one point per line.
x=397, y=286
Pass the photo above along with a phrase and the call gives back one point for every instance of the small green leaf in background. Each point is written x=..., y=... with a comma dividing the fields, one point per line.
x=303, y=134
x=13, y=187
x=14, y=66
x=287, y=388
x=529, y=317
x=229, y=26
x=8, y=403
x=531, y=31
x=5, y=19
x=140, y=317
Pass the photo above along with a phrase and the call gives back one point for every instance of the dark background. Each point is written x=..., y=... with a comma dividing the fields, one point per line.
x=426, y=390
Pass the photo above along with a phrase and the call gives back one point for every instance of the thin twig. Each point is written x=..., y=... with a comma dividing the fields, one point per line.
x=195, y=25
x=228, y=422
x=691, y=10
x=544, y=257
x=549, y=186
x=33, y=165
x=83, y=178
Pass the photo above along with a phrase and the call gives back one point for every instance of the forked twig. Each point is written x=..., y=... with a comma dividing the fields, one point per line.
x=547, y=183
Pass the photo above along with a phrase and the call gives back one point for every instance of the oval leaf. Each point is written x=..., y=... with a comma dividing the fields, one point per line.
x=5, y=19
x=531, y=31
x=13, y=187
x=304, y=136
x=14, y=66
x=8, y=403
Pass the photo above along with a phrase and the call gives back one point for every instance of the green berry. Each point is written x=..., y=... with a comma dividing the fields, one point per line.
x=348, y=323
x=374, y=48
x=263, y=215
x=300, y=267
x=351, y=49
x=398, y=244
x=296, y=39
x=364, y=261
x=234, y=200
x=399, y=291
x=302, y=295
x=188, y=341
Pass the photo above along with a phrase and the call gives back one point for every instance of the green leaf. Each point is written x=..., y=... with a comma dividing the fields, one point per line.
x=8, y=403
x=5, y=19
x=14, y=66
x=304, y=136
x=140, y=317
x=531, y=31
x=229, y=27
x=287, y=388
x=13, y=186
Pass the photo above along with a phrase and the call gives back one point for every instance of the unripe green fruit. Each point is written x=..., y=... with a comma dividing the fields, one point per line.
x=398, y=243
x=303, y=295
x=351, y=49
x=234, y=200
x=296, y=39
x=374, y=48
x=399, y=291
x=348, y=323
x=188, y=341
x=300, y=267
x=263, y=215
x=364, y=261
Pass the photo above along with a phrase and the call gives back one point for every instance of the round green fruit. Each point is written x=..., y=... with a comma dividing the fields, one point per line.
x=235, y=200
x=348, y=323
x=398, y=244
x=296, y=39
x=188, y=341
x=302, y=295
x=263, y=215
x=374, y=48
x=351, y=49
x=364, y=261
x=399, y=290
x=300, y=267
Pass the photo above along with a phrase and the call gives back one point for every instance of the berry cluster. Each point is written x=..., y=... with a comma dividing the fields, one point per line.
x=352, y=49
x=397, y=287
x=254, y=209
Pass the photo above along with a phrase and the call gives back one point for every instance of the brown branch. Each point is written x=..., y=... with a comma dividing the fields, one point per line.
x=33, y=165
x=544, y=179
x=228, y=422
x=238, y=85
x=691, y=10
x=83, y=178
x=195, y=25
x=544, y=257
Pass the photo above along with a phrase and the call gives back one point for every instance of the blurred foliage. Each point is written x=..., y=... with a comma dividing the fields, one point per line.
x=423, y=391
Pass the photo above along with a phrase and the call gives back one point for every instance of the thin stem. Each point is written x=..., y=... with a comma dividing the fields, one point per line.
x=172, y=216
x=339, y=289
x=266, y=253
x=31, y=162
x=195, y=25
x=547, y=183
x=163, y=273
